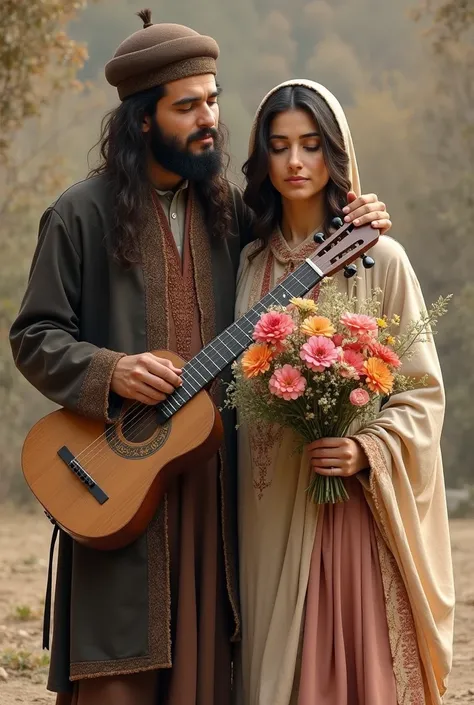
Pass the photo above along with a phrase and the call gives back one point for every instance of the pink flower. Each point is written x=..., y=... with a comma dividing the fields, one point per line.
x=352, y=364
x=356, y=346
x=319, y=353
x=273, y=328
x=360, y=325
x=359, y=397
x=287, y=383
x=337, y=340
x=385, y=353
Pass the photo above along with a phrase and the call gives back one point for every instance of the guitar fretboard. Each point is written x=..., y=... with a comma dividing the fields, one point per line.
x=204, y=367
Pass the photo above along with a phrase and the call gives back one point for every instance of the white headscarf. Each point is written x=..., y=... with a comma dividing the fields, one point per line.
x=338, y=113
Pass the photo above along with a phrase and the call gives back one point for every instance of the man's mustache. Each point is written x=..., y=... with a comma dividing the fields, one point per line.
x=203, y=134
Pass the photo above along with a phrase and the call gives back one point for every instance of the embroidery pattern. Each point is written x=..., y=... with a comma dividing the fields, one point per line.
x=407, y=666
x=181, y=290
x=265, y=440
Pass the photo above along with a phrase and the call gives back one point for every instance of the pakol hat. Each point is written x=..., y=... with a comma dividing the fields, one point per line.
x=157, y=54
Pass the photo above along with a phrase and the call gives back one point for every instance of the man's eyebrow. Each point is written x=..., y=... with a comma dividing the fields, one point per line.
x=194, y=99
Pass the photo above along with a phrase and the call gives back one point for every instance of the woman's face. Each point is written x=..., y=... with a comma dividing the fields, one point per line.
x=296, y=163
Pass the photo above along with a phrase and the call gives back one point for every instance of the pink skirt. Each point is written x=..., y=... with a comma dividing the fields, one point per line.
x=346, y=658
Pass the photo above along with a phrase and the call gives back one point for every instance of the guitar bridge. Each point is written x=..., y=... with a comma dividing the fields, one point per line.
x=89, y=483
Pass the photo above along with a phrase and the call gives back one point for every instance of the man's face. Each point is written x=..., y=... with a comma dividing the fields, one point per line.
x=183, y=131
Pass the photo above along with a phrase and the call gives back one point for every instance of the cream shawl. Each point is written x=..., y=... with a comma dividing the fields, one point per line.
x=405, y=489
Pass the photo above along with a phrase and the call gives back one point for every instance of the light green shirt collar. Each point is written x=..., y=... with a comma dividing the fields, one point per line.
x=184, y=185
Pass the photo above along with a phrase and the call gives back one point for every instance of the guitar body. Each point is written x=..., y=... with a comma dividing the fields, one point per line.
x=130, y=464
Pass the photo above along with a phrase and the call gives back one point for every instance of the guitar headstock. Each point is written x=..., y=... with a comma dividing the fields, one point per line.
x=344, y=246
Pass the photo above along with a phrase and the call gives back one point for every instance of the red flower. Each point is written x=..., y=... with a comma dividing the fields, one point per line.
x=383, y=352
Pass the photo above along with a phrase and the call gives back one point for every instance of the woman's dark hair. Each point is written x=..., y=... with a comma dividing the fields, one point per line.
x=260, y=194
x=123, y=158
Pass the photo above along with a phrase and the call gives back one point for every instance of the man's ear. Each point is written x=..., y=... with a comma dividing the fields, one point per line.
x=146, y=124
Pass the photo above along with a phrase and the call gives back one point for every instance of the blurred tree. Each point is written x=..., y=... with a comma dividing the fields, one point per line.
x=450, y=19
x=37, y=59
x=444, y=249
x=38, y=65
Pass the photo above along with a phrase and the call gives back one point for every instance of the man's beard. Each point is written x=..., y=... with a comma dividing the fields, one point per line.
x=180, y=160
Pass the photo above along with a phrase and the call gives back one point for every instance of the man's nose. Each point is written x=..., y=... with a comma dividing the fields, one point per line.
x=206, y=117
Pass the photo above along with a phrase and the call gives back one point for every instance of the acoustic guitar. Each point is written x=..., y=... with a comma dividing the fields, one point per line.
x=102, y=483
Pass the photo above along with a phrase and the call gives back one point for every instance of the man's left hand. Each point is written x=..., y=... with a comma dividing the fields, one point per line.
x=340, y=457
x=367, y=209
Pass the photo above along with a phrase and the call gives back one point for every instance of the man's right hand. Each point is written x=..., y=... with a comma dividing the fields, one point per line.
x=145, y=378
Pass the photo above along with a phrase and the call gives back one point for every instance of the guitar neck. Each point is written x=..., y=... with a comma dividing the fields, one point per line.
x=204, y=367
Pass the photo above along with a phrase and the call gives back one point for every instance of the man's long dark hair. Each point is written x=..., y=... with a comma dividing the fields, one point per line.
x=123, y=158
x=260, y=194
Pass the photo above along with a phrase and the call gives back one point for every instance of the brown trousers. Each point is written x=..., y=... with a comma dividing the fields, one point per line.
x=137, y=689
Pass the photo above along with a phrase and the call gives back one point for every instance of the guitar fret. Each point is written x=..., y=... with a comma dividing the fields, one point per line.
x=203, y=352
x=247, y=335
x=193, y=367
x=213, y=348
x=188, y=382
x=181, y=391
x=224, y=343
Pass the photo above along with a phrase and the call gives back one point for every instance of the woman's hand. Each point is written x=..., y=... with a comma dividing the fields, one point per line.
x=367, y=209
x=340, y=457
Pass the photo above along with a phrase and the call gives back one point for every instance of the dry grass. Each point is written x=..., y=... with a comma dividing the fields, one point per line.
x=24, y=543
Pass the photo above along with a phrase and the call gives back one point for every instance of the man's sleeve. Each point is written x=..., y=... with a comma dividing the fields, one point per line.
x=45, y=337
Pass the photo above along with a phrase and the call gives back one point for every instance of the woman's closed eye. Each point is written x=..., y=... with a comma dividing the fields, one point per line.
x=307, y=148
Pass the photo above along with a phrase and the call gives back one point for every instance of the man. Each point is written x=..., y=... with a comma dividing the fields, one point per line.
x=141, y=256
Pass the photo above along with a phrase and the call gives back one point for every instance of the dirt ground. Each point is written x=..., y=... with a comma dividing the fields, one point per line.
x=24, y=545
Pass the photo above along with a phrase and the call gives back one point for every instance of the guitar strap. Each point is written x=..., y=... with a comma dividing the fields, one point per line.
x=49, y=589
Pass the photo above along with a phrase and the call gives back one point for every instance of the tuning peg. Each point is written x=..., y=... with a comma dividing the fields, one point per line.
x=350, y=270
x=337, y=223
x=367, y=261
x=319, y=238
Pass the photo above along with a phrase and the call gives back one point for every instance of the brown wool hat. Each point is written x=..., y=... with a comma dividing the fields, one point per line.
x=157, y=54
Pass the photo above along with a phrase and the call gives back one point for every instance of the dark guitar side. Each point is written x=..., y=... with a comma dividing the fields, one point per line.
x=134, y=486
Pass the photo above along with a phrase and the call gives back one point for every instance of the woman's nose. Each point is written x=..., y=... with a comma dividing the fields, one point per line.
x=294, y=161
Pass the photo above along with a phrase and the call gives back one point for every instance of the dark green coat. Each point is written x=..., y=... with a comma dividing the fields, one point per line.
x=81, y=311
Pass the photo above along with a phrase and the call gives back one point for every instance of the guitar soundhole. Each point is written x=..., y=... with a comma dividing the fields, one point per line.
x=139, y=426
x=138, y=434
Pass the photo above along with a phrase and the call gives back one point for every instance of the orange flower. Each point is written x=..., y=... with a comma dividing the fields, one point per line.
x=318, y=325
x=256, y=360
x=379, y=378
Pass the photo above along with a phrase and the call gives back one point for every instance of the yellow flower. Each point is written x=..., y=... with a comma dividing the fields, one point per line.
x=396, y=320
x=317, y=325
x=382, y=323
x=390, y=340
x=304, y=306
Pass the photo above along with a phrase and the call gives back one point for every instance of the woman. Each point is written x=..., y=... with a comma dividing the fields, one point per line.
x=350, y=604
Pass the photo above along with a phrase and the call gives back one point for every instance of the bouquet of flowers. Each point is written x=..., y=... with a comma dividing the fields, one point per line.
x=318, y=367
